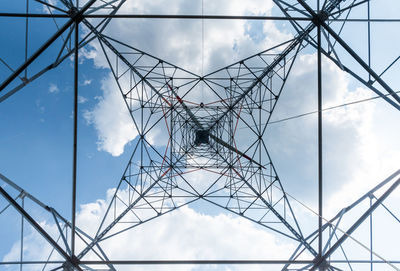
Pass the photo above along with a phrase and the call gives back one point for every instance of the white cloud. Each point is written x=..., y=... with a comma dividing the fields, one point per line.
x=183, y=234
x=111, y=119
x=378, y=153
x=180, y=43
x=187, y=234
x=36, y=248
x=48, y=9
x=348, y=131
x=40, y=106
x=53, y=88
x=87, y=82
x=82, y=99
x=175, y=234
x=355, y=156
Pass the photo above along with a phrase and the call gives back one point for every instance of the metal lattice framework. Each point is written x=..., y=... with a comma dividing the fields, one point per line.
x=200, y=138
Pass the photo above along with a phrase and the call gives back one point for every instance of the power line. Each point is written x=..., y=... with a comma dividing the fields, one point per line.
x=325, y=109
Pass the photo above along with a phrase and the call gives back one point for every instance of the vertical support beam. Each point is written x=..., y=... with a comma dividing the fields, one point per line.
x=141, y=132
x=351, y=52
x=370, y=233
x=356, y=225
x=171, y=136
x=230, y=165
x=77, y=17
x=26, y=37
x=40, y=230
x=21, y=258
x=319, y=144
x=369, y=39
x=74, y=163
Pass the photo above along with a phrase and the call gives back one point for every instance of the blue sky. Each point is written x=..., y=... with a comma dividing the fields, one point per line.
x=36, y=137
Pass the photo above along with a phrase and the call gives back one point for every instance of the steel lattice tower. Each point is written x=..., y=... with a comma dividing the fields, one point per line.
x=200, y=136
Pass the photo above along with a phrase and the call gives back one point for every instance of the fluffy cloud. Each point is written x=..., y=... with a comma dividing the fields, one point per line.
x=179, y=43
x=87, y=82
x=82, y=99
x=186, y=234
x=48, y=9
x=355, y=157
x=349, y=133
x=36, y=248
x=377, y=156
x=183, y=234
x=111, y=119
x=53, y=88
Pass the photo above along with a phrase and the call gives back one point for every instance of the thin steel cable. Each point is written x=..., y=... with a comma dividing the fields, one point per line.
x=324, y=109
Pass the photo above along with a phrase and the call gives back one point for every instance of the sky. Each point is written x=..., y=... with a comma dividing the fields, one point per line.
x=360, y=142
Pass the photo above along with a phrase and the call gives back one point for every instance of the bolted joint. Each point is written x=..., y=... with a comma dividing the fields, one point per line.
x=320, y=18
x=322, y=265
x=371, y=195
x=68, y=266
x=76, y=14
x=74, y=260
x=72, y=11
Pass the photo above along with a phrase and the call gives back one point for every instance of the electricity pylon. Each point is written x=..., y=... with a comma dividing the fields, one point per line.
x=204, y=156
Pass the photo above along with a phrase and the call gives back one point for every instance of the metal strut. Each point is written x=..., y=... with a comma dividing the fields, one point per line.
x=75, y=18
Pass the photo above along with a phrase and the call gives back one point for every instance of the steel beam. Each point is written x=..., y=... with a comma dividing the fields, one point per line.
x=102, y=234
x=319, y=20
x=77, y=17
x=355, y=225
x=320, y=162
x=39, y=229
x=75, y=139
x=297, y=235
x=297, y=40
x=200, y=262
x=158, y=16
